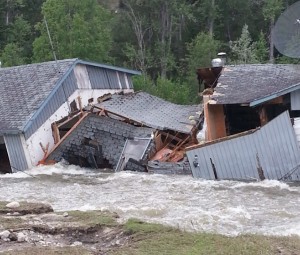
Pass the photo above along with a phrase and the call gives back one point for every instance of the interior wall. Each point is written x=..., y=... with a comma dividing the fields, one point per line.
x=215, y=121
x=241, y=118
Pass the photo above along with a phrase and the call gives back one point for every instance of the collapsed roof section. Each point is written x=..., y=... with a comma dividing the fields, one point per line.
x=154, y=112
x=111, y=124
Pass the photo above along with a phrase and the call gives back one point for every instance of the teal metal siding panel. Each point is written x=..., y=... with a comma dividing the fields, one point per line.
x=16, y=153
x=108, y=79
x=275, y=145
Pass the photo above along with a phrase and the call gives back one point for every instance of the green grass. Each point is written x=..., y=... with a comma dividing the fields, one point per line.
x=92, y=218
x=153, y=239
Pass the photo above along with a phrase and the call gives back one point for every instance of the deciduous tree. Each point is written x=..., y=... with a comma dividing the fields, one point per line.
x=78, y=29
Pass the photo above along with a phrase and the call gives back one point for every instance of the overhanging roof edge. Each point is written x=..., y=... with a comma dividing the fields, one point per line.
x=56, y=87
x=274, y=95
x=124, y=70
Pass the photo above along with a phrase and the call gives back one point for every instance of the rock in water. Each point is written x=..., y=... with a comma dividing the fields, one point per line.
x=4, y=234
x=21, y=237
x=12, y=205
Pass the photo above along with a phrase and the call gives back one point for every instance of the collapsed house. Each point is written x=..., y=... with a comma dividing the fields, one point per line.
x=249, y=134
x=135, y=131
x=34, y=96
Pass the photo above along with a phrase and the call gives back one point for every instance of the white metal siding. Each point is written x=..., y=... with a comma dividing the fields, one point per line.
x=297, y=129
x=274, y=145
x=295, y=100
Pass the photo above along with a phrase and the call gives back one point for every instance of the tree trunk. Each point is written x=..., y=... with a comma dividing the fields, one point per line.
x=211, y=19
x=271, y=51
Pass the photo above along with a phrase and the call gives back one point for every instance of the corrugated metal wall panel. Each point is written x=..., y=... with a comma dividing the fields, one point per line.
x=297, y=129
x=295, y=100
x=66, y=89
x=98, y=78
x=122, y=80
x=70, y=84
x=113, y=79
x=16, y=153
x=129, y=78
x=274, y=145
x=108, y=79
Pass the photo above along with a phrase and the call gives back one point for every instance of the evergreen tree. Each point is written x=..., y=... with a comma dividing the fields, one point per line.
x=243, y=49
x=261, y=49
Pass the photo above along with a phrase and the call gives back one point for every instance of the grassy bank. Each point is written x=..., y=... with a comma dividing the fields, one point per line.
x=98, y=232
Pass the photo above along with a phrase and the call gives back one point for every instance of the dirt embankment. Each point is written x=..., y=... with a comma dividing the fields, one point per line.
x=33, y=228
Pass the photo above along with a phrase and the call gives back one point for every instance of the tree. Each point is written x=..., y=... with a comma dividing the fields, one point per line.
x=18, y=48
x=261, y=49
x=201, y=51
x=12, y=55
x=271, y=9
x=78, y=29
x=158, y=26
x=243, y=49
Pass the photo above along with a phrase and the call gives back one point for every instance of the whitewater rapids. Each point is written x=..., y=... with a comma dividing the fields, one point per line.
x=225, y=207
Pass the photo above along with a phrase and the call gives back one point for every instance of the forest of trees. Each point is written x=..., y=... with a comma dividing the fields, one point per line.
x=166, y=39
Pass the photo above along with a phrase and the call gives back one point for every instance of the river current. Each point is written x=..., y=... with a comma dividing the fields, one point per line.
x=225, y=207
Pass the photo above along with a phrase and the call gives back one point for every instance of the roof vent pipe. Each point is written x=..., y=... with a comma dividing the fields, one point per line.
x=220, y=60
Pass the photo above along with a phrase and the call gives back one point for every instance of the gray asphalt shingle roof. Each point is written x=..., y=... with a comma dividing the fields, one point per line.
x=24, y=88
x=247, y=83
x=152, y=111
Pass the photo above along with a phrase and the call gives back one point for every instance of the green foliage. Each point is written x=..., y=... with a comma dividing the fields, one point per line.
x=201, y=51
x=78, y=29
x=172, y=91
x=12, y=55
x=271, y=9
x=243, y=49
x=261, y=49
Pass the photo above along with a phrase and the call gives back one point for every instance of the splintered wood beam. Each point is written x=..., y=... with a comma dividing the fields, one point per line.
x=55, y=132
x=80, y=104
x=177, y=147
x=173, y=137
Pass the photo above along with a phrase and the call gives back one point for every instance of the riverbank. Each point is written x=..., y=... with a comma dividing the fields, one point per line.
x=34, y=228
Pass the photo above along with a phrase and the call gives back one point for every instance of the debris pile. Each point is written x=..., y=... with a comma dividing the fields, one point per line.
x=135, y=131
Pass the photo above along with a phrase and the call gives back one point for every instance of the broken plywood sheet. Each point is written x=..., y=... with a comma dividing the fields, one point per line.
x=272, y=149
x=154, y=112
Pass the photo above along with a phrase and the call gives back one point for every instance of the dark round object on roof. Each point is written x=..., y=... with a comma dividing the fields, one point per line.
x=286, y=33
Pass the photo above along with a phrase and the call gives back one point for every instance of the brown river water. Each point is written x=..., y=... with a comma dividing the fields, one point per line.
x=225, y=207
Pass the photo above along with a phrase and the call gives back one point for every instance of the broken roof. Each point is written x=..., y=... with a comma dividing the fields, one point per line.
x=153, y=111
x=255, y=84
x=23, y=89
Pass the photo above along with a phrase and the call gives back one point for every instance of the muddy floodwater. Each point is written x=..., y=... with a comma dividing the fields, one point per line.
x=225, y=207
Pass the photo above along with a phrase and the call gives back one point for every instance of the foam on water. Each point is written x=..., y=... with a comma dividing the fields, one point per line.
x=226, y=207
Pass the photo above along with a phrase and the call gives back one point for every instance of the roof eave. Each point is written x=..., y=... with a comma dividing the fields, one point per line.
x=274, y=95
x=10, y=132
x=120, y=69
x=56, y=87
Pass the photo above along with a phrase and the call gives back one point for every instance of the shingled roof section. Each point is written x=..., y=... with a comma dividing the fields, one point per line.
x=248, y=83
x=153, y=111
x=24, y=88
